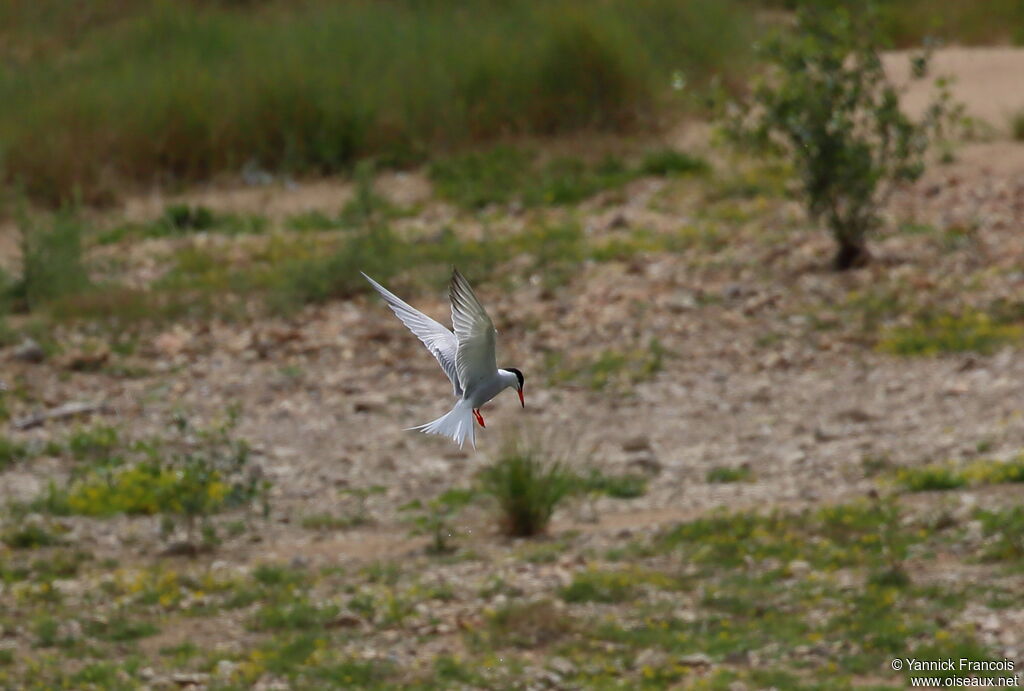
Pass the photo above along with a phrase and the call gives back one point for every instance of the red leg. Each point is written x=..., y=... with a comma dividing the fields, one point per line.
x=479, y=417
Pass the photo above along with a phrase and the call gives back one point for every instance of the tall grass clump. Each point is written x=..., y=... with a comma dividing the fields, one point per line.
x=181, y=91
x=528, y=488
x=52, y=261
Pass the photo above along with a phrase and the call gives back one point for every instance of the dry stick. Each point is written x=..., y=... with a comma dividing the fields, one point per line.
x=60, y=412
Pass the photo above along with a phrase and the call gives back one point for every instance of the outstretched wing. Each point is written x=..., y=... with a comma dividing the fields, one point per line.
x=475, y=332
x=438, y=339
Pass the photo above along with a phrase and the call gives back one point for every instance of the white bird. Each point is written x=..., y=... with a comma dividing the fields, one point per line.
x=466, y=356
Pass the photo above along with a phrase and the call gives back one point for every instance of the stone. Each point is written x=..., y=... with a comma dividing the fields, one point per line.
x=29, y=351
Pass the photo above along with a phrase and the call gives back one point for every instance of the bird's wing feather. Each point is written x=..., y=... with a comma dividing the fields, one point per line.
x=475, y=332
x=438, y=339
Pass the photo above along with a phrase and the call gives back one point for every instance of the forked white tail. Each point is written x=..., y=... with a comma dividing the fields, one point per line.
x=457, y=424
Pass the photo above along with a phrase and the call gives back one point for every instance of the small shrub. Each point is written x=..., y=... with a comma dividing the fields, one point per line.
x=527, y=488
x=829, y=107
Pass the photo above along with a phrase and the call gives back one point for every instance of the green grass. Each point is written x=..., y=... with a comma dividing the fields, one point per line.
x=932, y=335
x=617, y=486
x=929, y=478
x=52, y=262
x=1004, y=532
x=506, y=174
x=29, y=536
x=527, y=625
x=946, y=476
x=184, y=91
x=615, y=586
x=182, y=219
x=527, y=488
x=11, y=452
x=669, y=162
x=610, y=368
x=723, y=474
x=1017, y=126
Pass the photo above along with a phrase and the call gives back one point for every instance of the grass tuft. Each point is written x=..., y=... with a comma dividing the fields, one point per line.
x=971, y=332
x=527, y=487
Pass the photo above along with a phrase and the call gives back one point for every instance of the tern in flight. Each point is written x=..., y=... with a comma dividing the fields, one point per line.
x=466, y=356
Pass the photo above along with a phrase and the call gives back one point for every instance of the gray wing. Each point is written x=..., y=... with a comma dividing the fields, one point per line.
x=475, y=332
x=437, y=338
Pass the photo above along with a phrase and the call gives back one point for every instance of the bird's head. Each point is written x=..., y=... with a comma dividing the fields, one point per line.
x=518, y=383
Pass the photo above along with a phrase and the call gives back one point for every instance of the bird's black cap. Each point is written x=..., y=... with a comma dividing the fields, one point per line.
x=519, y=375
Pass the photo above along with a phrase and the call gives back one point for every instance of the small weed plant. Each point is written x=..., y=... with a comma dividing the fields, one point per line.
x=434, y=518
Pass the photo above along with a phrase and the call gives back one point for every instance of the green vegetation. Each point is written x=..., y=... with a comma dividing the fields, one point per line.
x=181, y=219
x=52, y=264
x=434, y=518
x=505, y=174
x=828, y=106
x=721, y=474
x=946, y=476
x=29, y=536
x=202, y=472
x=226, y=86
x=11, y=452
x=527, y=487
x=619, y=486
x=1004, y=533
x=946, y=333
x=527, y=625
x=609, y=368
x=1017, y=126
x=615, y=586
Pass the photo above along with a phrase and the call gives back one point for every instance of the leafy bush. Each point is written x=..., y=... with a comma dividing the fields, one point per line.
x=829, y=107
x=527, y=488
